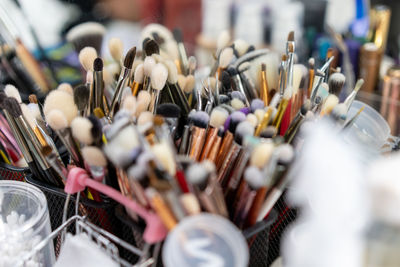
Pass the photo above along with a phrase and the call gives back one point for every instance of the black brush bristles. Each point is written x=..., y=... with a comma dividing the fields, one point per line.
x=151, y=47
x=201, y=119
x=81, y=96
x=236, y=118
x=3, y=97
x=96, y=130
x=12, y=106
x=169, y=110
x=226, y=82
x=178, y=35
x=130, y=57
x=98, y=64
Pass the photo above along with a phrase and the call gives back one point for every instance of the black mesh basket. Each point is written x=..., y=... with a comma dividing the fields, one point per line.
x=257, y=237
x=8, y=172
x=99, y=213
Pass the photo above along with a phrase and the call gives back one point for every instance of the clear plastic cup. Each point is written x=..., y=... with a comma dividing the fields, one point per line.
x=205, y=240
x=24, y=223
x=370, y=128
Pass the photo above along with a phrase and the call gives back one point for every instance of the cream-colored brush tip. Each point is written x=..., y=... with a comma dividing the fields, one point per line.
x=89, y=77
x=164, y=155
x=241, y=46
x=252, y=119
x=56, y=120
x=223, y=39
x=94, y=156
x=181, y=81
x=35, y=111
x=12, y=91
x=359, y=84
x=237, y=104
x=81, y=129
x=226, y=57
x=190, y=83
x=139, y=74
x=107, y=77
x=145, y=117
x=28, y=115
x=218, y=117
x=116, y=48
x=190, y=203
x=86, y=57
x=192, y=62
x=259, y=113
x=158, y=58
x=297, y=75
x=172, y=71
x=129, y=104
x=261, y=155
x=144, y=96
x=330, y=102
x=66, y=87
x=148, y=64
x=158, y=76
x=62, y=101
x=136, y=63
x=213, y=82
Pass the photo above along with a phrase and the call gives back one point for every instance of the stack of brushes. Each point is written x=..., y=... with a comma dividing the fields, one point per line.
x=176, y=144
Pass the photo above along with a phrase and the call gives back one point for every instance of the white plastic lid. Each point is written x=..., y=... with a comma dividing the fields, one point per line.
x=205, y=240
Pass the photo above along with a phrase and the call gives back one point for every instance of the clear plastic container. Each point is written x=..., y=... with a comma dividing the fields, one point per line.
x=24, y=223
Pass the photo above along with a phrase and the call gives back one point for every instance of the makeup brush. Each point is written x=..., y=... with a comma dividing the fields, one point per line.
x=86, y=57
x=224, y=59
x=66, y=87
x=254, y=184
x=143, y=101
x=336, y=82
x=198, y=134
x=330, y=102
x=238, y=83
x=176, y=91
x=339, y=114
x=11, y=91
x=96, y=162
x=98, y=82
x=217, y=119
x=55, y=162
x=14, y=109
x=296, y=122
x=282, y=75
x=81, y=130
x=183, y=60
x=192, y=63
x=350, y=98
x=201, y=177
x=81, y=98
x=235, y=118
x=158, y=78
x=116, y=48
x=311, y=63
x=240, y=47
x=282, y=107
x=86, y=34
x=59, y=123
x=264, y=92
x=171, y=114
x=243, y=129
x=151, y=47
x=190, y=86
x=122, y=80
x=138, y=79
x=62, y=101
x=265, y=117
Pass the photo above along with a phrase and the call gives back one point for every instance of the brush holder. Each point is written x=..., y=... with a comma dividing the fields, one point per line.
x=99, y=213
x=12, y=173
x=257, y=236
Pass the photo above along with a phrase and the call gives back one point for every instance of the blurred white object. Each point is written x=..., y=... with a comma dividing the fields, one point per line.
x=330, y=189
x=249, y=25
x=343, y=9
x=216, y=17
x=286, y=17
x=79, y=250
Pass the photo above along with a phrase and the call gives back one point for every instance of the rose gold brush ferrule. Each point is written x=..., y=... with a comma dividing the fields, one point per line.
x=212, y=156
x=226, y=144
x=212, y=135
x=197, y=140
x=228, y=164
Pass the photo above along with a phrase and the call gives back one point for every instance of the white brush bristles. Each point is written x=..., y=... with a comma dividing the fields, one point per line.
x=223, y=40
x=143, y=101
x=66, y=87
x=148, y=65
x=218, y=117
x=11, y=91
x=94, y=156
x=261, y=155
x=62, y=101
x=28, y=116
x=81, y=130
x=139, y=74
x=158, y=76
x=190, y=84
x=172, y=71
x=241, y=46
x=86, y=57
x=226, y=57
x=56, y=119
x=164, y=154
x=116, y=48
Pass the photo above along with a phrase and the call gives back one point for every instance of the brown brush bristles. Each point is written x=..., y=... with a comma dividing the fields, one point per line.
x=158, y=120
x=12, y=105
x=151, y=47
x=98, y=113
x=284, y=57
x=46, y=150
x=98, y=64
x=130, y=57
x=263, y=67
x=33, y=99
x=291, y=36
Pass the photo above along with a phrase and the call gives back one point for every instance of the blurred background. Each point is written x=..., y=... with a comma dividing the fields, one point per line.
x=349, y=27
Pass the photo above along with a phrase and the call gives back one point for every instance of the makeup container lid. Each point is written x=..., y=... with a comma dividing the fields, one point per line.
x=205, y=240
